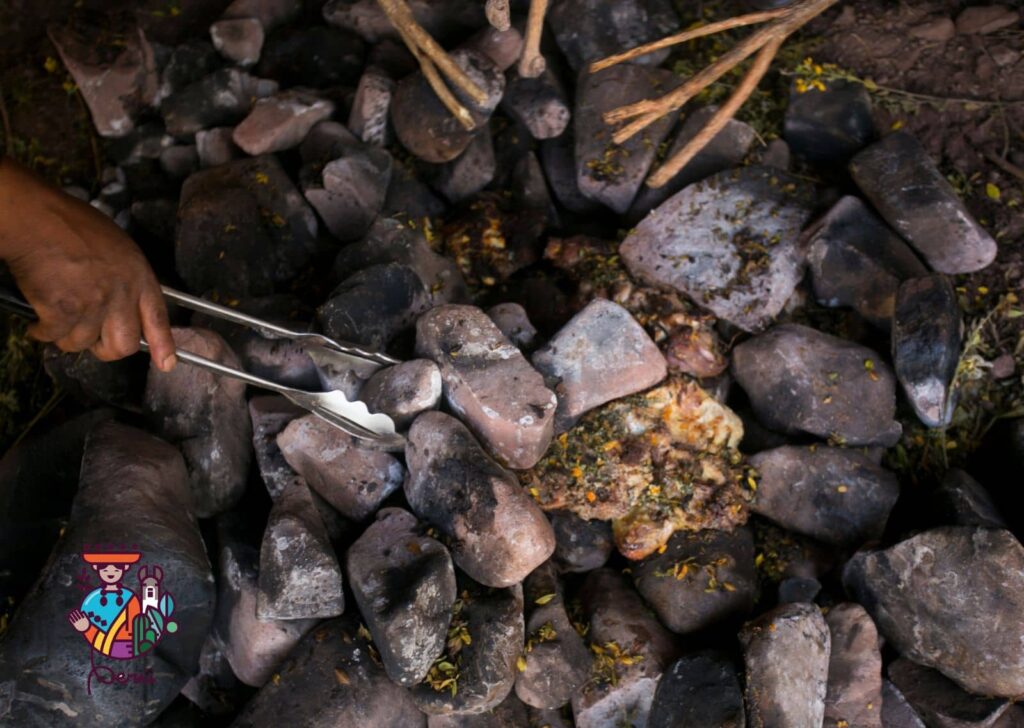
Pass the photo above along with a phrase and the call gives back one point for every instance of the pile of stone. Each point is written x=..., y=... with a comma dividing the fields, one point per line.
x=605, y=515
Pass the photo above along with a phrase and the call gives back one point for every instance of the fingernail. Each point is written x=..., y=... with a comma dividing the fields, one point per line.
x=168, y=363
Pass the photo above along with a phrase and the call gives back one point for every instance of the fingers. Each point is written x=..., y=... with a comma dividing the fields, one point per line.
x=85, y=332
x=156, y=327
x=120, y=331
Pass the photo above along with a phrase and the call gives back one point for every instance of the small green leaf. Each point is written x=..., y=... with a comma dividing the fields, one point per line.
x=993, y=192
x=541, y=601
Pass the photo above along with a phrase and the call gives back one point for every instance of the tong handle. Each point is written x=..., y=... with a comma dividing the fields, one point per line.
x=273, y=331
x=267, y=329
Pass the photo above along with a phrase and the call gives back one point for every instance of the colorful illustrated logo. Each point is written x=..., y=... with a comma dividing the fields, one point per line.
x=112, y=618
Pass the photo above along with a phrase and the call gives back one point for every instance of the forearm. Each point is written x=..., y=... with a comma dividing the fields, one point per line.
x=22, y=193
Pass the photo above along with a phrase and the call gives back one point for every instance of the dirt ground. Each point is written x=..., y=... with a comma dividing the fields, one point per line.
x=955, y=96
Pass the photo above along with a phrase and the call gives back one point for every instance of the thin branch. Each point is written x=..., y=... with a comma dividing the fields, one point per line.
x=1008, y=167
x=687, y=35
x=444, y=94
x=531, y=62
x=416, y=37
x=762, y=62
x=765, y=42
x=497, y=12
x=654, y=110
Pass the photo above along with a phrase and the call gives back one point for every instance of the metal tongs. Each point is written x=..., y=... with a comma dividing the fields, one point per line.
x=352, y=417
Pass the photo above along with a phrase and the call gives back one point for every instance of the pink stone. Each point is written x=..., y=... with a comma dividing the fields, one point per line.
x=600, y=355
x=488, y=383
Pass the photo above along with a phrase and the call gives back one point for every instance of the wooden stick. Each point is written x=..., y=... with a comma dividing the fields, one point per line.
x=497, y=12
x=531, y=62
x=674, y=99
x=444, y=94
x=647, y=112
x=416, y=37
x=671, y=168
x=687, y=35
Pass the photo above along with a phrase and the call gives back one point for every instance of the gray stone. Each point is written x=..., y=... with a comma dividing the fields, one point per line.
x=802, y=380
x=493, y=619
x=179, y=161
x=222, y=98
x=348, y=188
x=701, y=579
x=896, y=711
x=242, y=228
x=828, y=127
x=588, y=30
x=404, y=390
x=798, y=589
x=835, y=495
x=497, y=533
x=856, y=260
x=206, y=416
x=540, y=104
x=467, y=174
x=907, y=188
x=426, y=128
x=44, y=662
x=557, y=156
x=580, y=545
x=390, y=241
x=854, y=694
x=725, y=150
x=368, y=118
x=115, y=89
x=514, y=323
x=502, y=46
x=404, y=584
x=253, y=646
x=786, y=652
x=940, y=701
x=375, y=305
x=626, y=689
x=488, y=383
x=188, y=62
x=699, y=691
x=330, y=678
x=926, y=337
x=299, y=575
x=351, y=478
x=240, y=40
x=270, y=414
x=607, y=172
x=216, y=146
x=729, y=242
x=950, y=598
x=601, y=354
x=281, y=122
x=555, y=661
x=963, y=501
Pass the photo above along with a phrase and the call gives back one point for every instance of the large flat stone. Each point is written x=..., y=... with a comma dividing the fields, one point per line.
x=729, y=242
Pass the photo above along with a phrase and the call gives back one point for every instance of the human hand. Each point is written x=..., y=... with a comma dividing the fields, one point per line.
x=89, y=284
x=78, y=620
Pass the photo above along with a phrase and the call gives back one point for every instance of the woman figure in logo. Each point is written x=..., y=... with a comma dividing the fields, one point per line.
x=112, y=619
